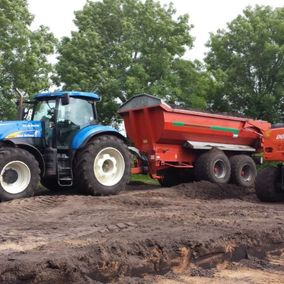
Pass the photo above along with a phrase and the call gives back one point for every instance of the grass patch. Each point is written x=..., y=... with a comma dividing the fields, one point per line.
x=267, y=164
x=143, y=179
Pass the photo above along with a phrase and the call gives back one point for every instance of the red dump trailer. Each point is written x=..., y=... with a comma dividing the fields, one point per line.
x=182, y=145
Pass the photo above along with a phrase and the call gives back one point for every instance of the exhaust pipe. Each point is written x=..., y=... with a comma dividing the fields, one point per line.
x=20, y=104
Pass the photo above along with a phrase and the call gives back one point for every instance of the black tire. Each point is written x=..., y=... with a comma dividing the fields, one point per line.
x=267, y=185
x=213, y=166
x=18, y=166
x=85, y=177
x=243, y=170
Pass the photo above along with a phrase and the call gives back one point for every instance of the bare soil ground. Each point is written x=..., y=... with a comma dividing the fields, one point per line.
x=192, y=233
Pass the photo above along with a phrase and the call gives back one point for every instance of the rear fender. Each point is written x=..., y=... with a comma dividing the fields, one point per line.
x=84, y=135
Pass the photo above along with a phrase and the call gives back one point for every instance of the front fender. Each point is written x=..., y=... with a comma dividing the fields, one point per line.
x=82, y=137
x=28, y=144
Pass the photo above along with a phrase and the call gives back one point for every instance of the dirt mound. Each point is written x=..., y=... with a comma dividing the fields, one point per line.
x=208, y=191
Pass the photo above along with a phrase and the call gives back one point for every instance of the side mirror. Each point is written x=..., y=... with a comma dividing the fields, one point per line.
x=65, y=99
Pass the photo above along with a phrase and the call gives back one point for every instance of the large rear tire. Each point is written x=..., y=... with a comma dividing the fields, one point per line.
x=267, y=185
x=19, y=174
x=103, y=166
x=213, y=166
x=243, y=170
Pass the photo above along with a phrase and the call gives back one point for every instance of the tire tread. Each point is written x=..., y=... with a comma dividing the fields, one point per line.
x=83, y=173
x=21, y=154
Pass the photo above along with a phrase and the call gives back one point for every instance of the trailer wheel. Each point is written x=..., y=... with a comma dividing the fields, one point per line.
x=103, y=166
x=19, y=174
x=268, y=185
x=213, y=166
x=243, y=170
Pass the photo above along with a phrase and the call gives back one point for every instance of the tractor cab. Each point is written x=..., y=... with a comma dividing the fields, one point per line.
x=63, y=114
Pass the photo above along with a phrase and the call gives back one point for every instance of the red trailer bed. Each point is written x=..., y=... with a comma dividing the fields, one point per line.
x=172, y=137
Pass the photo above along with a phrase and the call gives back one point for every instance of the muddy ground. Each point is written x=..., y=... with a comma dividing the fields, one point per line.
x=192, y=233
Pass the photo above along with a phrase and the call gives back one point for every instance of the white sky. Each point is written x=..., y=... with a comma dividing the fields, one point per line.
x=206, y=16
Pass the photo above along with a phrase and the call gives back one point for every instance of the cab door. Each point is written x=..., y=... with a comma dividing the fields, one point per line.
x=71, y=117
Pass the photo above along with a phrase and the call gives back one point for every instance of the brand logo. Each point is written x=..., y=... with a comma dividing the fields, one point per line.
x=280, y=137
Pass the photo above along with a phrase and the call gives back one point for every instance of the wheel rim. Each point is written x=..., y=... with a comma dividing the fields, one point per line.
x=219, y=169
x=109, y=166
x=246, y=173
x=15, y=177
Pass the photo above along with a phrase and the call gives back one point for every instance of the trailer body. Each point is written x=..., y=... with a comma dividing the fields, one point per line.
x=172, y=137
x=269, y=184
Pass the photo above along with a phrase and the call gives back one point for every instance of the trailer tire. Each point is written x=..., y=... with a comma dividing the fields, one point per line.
x=213, y=166
x=19, y=174
x=103, y=166
x=267, y=185
x=243, y=170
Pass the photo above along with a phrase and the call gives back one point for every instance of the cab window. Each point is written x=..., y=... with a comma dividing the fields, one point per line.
x=71, y=118
x=78, y=112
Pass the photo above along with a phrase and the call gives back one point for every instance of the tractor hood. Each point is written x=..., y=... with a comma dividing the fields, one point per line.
x=20, y=129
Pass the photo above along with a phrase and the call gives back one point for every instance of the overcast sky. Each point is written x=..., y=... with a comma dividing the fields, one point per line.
x=206, y=16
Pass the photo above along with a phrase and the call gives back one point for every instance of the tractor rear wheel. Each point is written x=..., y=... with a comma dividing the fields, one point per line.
x=243, y=170
x=103, y=166
x=213, y=166
x=268, y=185
x=19, y=174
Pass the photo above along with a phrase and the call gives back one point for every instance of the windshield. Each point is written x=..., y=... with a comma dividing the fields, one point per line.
x=44, y=110
x=78, y=112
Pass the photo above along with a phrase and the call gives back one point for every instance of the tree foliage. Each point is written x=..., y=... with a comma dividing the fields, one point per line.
x=126, y=47
x=247, y=63
x=23, y=62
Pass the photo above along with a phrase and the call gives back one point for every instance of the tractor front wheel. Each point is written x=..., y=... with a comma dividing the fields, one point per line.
x=103, y=166
x=19, y=174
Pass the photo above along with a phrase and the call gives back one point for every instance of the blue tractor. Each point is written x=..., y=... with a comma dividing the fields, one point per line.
x=63, y=145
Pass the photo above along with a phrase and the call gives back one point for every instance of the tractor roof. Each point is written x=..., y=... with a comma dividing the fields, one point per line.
x=77, y=94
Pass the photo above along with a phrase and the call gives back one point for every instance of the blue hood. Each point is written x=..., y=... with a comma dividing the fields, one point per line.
x=20, y=129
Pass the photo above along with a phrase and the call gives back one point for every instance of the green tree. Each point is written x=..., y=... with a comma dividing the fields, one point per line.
x=125, y=47
x=247, y=63
x=189, y=84
x=23, y=61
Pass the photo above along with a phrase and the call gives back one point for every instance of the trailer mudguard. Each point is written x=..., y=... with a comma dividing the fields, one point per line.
x=82, y=137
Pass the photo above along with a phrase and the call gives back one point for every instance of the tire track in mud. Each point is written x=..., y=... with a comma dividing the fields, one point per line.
x=22, y=209
x=46, y=219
